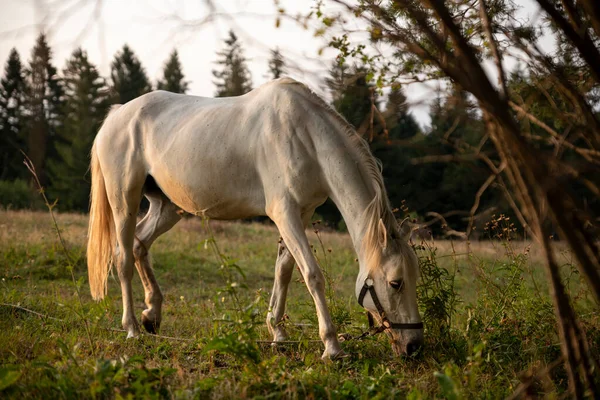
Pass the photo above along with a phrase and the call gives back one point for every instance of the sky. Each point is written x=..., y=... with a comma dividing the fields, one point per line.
x=153, y=28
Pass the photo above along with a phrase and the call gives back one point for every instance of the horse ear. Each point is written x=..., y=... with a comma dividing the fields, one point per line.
x=405, y=228
x=382, y=234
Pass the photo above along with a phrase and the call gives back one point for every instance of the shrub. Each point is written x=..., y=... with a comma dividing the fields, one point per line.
x=17, y=194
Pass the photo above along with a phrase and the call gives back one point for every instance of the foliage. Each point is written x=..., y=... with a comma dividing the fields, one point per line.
x=17, y=194
x=276, y=64
x=43, y=104
x=86, y=103
x=454, y=40
x=12, y=138
x=234, y=77
x=129, y=79
x=173, y=78
x=495, y=328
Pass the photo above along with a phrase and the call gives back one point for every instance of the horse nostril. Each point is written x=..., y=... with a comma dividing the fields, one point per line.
x=412, y=348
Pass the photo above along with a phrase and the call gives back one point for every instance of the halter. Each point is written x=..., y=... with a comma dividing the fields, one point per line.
x=385, y=322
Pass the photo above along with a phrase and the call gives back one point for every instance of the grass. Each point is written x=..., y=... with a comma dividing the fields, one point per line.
x=489, y=320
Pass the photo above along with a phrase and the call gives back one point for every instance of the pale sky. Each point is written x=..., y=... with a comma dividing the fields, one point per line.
x=152, y=28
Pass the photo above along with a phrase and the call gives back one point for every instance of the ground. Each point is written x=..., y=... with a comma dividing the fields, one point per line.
x=488, y=317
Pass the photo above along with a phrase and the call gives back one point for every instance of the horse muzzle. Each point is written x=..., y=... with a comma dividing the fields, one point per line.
x=406, y=342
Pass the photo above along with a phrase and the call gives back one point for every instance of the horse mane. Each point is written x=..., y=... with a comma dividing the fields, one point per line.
x=379, y=208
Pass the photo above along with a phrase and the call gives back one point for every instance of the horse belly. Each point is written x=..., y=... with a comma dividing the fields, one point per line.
x=217, y=195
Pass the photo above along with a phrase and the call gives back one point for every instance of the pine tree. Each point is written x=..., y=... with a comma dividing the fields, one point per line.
x=234, y=79
x=276, y=64
x=43, y=103
x=338, y=74
x=129, y=79
x=173, y=76
x=400, y=123
x=351, y=98
x=398, y=171
x=12, y=136
x=355, y=102
x=86, y=103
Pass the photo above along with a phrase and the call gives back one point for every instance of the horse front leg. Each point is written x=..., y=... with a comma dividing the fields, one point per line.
x=287, y=218
x=284, y=267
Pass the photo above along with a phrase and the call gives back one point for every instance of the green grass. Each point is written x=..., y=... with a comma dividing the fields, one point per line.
x=489, y=321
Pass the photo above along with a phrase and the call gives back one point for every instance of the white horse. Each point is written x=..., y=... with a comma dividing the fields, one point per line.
x=278, y=151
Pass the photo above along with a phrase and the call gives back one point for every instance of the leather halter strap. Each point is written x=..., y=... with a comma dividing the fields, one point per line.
x=384, y=320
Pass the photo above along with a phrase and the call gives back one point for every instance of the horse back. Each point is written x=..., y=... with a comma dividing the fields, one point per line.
x=226, y=158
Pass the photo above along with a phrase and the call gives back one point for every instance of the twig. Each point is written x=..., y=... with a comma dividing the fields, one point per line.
x=30, y=311
x=29, y=164
x=522, y=388
x=448, y=231
x=288, y=341
x=485, y=21
x=44, y=316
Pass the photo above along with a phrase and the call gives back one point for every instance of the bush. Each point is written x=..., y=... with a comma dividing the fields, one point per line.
x=17, y=194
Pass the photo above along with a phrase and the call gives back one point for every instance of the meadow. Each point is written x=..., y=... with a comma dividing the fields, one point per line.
x=489, y=323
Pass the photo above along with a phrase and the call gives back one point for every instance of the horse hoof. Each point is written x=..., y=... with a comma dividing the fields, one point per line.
x=149, y=325
x=340, y=355
x=132, y=334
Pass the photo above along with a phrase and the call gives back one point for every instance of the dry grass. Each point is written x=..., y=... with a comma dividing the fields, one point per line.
x=53, y=358
x=34, y=228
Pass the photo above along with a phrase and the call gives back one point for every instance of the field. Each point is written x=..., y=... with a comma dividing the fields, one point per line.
x=488, y=317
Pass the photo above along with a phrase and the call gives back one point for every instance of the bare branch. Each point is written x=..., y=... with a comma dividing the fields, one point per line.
x=580, y=38
x=478, y=195
x=485, y=21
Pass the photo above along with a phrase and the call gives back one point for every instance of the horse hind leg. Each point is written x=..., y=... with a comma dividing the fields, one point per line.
x=125, y=204
x=284, y=268
x=161, y=217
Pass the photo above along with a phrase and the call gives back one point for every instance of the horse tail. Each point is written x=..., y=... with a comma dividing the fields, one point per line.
x=101, y=231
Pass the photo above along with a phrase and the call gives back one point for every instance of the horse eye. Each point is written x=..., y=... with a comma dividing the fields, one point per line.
x=397, y=285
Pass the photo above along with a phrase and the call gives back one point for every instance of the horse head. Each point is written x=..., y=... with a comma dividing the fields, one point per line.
x=387, y=288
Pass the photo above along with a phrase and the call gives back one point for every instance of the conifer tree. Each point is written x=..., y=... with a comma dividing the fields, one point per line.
x=276, y=64
x=43, y=103
x=336, y=82
x=86, y=103
x=352, y=99
x=12, y=136
x=234, y=78
x=398, y=171
x=129, y=79
x=173, y=79
x=400, y=123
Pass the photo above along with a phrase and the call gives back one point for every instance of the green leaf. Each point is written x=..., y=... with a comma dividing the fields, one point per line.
x=447, y=385
x=8, y=377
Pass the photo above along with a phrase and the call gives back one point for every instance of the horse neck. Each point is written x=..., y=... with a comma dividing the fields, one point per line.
x=351, y=187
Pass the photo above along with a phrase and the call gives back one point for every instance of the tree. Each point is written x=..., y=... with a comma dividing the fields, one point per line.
x=234, y=78
x=86, y=103
x=129, y=79
x=355, y=99
x=397, y=170
x=336, y=82
x=43, y=103
x=400, y=123
x=432, y=39
x=12, y=139
x=173, y=78
x=276, y=64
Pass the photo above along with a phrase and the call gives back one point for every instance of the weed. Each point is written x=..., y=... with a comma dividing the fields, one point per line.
x=488, y=318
